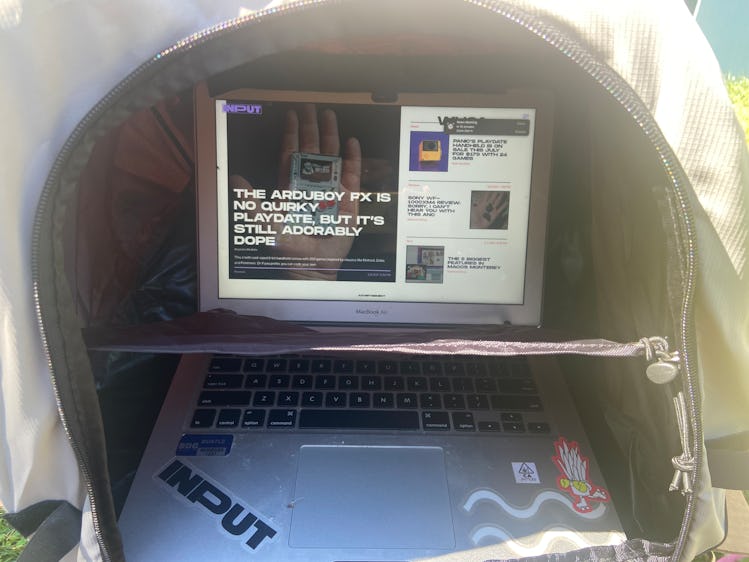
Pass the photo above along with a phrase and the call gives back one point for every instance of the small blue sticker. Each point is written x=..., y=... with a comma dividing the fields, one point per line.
x=197, y=445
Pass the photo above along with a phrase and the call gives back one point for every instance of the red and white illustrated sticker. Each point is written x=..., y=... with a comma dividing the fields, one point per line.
x=574, y=477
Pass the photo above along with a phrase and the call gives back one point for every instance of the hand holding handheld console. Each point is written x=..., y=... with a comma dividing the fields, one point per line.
x=309, y=163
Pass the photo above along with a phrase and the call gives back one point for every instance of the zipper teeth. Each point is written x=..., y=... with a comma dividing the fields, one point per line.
x=629, y=101
x=600, y=73
x=43, y=207
x=678, y=180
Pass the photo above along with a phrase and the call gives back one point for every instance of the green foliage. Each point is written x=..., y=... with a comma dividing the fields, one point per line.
x=738, y=91
x=11, y=542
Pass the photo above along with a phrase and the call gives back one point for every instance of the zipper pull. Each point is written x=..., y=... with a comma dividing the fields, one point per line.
x=664, y=366
x=684, y=463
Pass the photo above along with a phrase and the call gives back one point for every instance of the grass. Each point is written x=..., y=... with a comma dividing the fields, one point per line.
x=12, y=543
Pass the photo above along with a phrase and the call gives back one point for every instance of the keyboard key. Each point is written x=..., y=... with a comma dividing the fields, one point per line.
x=513, y=402
x=431, y=368
x=256, y=381
x=387, y=367
x=348, y=382
x=224, y=398
x=366, y=367
x=299, y=366
x=359, y=400
x=407, y=400
x=264, y=398
x=335, y=400
x=435, y=421
x=513, y=427
x=203, y=418
x=301, y=381
x=477, y=401
x=439, y=384
x=288, y=398
x=359, y=419
x=372, y=382
x=279, y=381
x=225, y=365
x=454, y=402
x=383, y=400
x=430, y=400
x=228, y=418
x=253, y=365
x=282, y=418
x=276, y=366
x=454, y=369
x=517, y=386
x=475, y=369
x=324, y=382
x=538, y=427
x=410, y=368
x=486, y=384
x=463, y=421
x=462, y=384
x=417, y=384
x=394, y=383
x=253, y=418
x=220, y=380
x=511, y=417
x=312, y=399
x=321, y=365
x=489, y=426
x=343, y=366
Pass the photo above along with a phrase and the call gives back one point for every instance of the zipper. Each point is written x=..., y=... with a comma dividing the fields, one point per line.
x=43, y=210
x=502, y=348
x=663, y=369
x=604, y=76
x=624, y=95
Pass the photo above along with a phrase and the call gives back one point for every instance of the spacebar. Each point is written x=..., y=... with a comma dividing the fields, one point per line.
x=358, y=419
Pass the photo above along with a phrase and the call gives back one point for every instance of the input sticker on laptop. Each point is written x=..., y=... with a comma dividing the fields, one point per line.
x=238, y=519
x=197, y=445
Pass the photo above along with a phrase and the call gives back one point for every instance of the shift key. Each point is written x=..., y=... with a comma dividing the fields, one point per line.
x=224, y=398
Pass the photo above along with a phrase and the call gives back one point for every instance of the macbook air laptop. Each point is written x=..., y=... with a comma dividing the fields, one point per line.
x=348, y=211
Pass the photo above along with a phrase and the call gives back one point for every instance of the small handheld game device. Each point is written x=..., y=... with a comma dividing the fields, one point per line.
x=430, y=151
x=317, y=172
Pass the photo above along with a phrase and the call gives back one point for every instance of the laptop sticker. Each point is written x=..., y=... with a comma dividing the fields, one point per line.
x=574, y=477
x=197, y=445
x=497, y=535
x=235, y=517
x=547, y=496
x=525, y=473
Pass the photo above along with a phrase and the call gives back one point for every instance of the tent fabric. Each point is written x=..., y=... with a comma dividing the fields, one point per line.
x=58, y=58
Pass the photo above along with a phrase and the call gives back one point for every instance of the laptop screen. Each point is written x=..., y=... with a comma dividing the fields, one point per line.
x=336, y=208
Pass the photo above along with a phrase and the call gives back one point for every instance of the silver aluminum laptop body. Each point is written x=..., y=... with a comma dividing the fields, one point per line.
x=280, y=494
x=292, y=485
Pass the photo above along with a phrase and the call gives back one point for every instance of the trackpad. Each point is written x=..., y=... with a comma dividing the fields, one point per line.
x=371, y=497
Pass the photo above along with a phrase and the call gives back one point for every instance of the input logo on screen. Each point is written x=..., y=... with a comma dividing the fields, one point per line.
x=236, y=519
x=248, y=108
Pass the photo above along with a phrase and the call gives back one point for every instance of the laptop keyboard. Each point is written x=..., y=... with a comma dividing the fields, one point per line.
x=463, y=394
